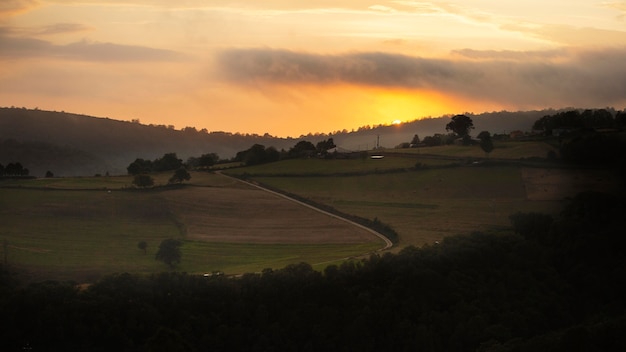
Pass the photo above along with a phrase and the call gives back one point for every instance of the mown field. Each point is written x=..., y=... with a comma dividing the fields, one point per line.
x=82, y=228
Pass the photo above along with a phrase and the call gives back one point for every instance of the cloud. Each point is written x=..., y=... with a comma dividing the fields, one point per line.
x=265, y=4
x=61, y=28
x=571, y=35
x=619, y=6
x=13, y=7
x=554, y=78
x=27, y=47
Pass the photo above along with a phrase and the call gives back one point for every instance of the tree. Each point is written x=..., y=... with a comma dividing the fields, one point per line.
x=208, y=160
x=169, y=161
x=302, y=149
x=169, y=252
x=461, y=125
x=139, y=166
x=49, y=174
x=180, y=175
x=323, y=146
x=415, y=141
x=143, y=245
x=486, y=143
x=143, y=181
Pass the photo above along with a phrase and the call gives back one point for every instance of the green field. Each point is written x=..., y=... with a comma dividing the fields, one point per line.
x=426, y=205
x=82, y=228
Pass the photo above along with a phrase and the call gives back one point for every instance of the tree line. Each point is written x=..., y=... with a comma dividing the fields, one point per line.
x=589, y=136
x=552, y=283
x=13, y=169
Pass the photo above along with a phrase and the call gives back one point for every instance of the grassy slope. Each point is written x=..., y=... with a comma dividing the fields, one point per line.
x=69, y=233
x=79, y=230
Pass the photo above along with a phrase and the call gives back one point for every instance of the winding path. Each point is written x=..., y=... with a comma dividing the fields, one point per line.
x=388, y=243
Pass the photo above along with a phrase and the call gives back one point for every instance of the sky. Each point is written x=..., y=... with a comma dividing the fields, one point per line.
x=292, y=67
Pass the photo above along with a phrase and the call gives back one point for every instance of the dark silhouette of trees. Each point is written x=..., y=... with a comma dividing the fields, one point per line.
x=139, y=166
x=169, y=252
x=486, y=143
x=180, y=175
x=322, y=147
x=576, y=120
x=415, y=141
x=143, y=245
x=302, y=149
x=169, y=161
x=461, y=125
x=143, y=181
x=258, y=154
x=208, y=160
x=14, y=169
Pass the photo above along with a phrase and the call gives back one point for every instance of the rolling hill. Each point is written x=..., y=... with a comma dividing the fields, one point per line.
x=70, y=144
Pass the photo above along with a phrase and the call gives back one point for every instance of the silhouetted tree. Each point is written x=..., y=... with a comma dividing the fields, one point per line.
x=302, y=149
x=49, y=174
x=486, y=143
x=143, y=181
x=415, y=141
x=257, y=154
x=139, y=166
x=461, y=125
x=169, y=252
x=15, y=169
x=323, y=146
x=180, y=175
x=167, y=162
x=143, y=245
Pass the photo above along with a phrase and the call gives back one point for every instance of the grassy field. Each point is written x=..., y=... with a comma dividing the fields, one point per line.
x=82, y=228
x=502, y=150
x=424, y=206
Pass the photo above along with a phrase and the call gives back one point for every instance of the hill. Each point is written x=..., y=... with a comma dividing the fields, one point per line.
x=77, y=145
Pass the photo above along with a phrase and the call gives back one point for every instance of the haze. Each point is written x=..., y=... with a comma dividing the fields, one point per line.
x=292, y=67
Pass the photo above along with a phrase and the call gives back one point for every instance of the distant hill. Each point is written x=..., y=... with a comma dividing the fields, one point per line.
x=73, y=145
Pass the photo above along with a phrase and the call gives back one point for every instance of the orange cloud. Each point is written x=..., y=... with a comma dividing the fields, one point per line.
x=592, y=77
x=10, y=8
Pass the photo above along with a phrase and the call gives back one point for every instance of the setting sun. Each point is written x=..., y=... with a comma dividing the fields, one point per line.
x=396, y=122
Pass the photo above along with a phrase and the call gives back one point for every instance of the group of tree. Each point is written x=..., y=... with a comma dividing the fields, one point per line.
x=13, y=169
x=590, y=136
x=168, y=162
x=306, y=149
x=585, y=119
x=458, y=128
x=257, y=154
x=141, y=169
x=552, y=283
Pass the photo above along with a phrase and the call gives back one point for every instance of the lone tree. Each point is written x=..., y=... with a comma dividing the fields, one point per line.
x=143, y=181
x=461, y=125
x=169, y=252
x=486, y=144
x=143, y=245
x=181, y=174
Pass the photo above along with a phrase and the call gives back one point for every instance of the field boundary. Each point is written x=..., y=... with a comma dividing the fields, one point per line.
x=388, y=242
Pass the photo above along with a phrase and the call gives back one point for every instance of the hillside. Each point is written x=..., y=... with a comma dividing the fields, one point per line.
x=76, y=145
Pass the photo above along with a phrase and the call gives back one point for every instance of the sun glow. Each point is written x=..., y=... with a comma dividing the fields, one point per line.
x=396, y=122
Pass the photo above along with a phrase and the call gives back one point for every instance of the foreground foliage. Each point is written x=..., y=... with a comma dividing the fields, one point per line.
x=555, y=285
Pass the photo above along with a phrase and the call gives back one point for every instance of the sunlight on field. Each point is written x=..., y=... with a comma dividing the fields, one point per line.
x=424, y=206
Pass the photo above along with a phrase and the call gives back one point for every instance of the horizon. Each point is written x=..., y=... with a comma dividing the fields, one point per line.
x=290, y=68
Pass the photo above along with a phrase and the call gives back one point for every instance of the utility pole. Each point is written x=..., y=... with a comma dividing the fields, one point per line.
x=377, y=141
